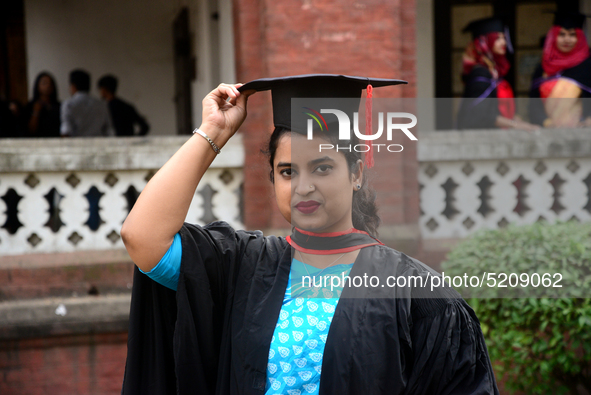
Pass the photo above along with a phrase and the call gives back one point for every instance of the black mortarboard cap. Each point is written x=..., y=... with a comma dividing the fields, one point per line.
x=283, y=89
x=484, y=26
x=569, y=19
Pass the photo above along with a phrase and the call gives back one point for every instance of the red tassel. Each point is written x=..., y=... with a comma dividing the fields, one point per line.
x=369, y=154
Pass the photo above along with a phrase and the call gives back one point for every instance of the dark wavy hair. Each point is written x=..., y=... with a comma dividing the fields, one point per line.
x=365, y=211
x=36, y=93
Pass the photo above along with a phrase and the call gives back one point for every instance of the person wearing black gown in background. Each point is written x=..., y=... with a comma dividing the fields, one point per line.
x=564, y=76
x=214, y=310
x=123, y=115
x=488, y=98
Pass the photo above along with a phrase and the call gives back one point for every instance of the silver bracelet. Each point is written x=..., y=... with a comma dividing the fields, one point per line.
x=210, y=141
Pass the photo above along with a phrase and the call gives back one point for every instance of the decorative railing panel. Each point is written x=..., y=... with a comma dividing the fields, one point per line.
x=59, y=195
x=83, y=209
x=489, y=179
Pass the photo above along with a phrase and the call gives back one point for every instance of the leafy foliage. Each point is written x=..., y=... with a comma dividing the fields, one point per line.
x=541, y=345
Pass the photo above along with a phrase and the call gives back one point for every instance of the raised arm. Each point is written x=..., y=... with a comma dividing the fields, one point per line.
x=162, y=206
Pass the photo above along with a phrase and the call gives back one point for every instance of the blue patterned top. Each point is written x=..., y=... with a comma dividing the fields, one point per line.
x=297, y=345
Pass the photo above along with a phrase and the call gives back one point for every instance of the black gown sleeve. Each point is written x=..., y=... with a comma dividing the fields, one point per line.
x=161, y=320
x=450, y=355
x=149, y=368
x=209, y=266
x=535, y=108
x=580, y=73
x=474, y=112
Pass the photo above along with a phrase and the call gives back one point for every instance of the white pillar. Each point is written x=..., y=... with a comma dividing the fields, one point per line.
x=425, y=65
x=214, y=48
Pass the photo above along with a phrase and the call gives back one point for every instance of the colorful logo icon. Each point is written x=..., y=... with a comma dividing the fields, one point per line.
x=315, y=117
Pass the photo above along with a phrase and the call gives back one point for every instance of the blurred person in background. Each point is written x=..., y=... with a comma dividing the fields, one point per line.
x=488, y=98
x=564, y=76
x=83, y=114
x=123, y=115
x=42, y=113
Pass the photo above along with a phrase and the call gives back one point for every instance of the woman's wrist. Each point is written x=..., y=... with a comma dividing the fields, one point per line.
x=214, y=146
x=217, y=135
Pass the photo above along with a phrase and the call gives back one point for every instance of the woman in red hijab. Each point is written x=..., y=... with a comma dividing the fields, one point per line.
x=564, y=76
x=485, y=65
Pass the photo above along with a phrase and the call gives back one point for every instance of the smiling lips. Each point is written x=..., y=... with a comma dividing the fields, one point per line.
x=308, y=206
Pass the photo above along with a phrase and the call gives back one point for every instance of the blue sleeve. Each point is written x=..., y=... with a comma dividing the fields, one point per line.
x=166, y=272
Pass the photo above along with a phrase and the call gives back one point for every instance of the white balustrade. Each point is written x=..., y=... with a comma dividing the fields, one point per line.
x=116, y=170
x=488, y=179
x=469, y=180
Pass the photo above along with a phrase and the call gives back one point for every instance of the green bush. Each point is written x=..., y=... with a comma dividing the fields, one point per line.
x=540, y=345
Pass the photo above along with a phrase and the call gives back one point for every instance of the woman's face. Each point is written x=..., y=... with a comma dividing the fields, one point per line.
x=45, y=86
x=566, y=40
x=500, y=45
x=314, y=190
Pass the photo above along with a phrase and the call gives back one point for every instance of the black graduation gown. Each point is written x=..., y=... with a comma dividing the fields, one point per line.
x=476, y=112
x=213, y=335
x=580, y=73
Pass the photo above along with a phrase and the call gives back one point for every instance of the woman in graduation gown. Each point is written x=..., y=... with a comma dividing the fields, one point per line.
x=488, y=98
x=564, y=76
x=224, y=311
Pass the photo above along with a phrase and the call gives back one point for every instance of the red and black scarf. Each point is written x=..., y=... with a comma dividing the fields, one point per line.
x=330, y=243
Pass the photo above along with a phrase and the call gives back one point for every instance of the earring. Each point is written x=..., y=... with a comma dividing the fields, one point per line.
x=311, y=186
x=358, y=186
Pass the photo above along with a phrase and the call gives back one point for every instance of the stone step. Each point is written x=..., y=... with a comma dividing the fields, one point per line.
x=73, y=274
x=55, y=316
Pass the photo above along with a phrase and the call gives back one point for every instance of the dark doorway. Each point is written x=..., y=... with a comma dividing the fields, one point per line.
x=528, y=22
x=184, y=72
x=13, y=58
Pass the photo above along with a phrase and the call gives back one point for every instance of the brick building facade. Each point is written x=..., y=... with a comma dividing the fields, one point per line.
x=287, y=38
